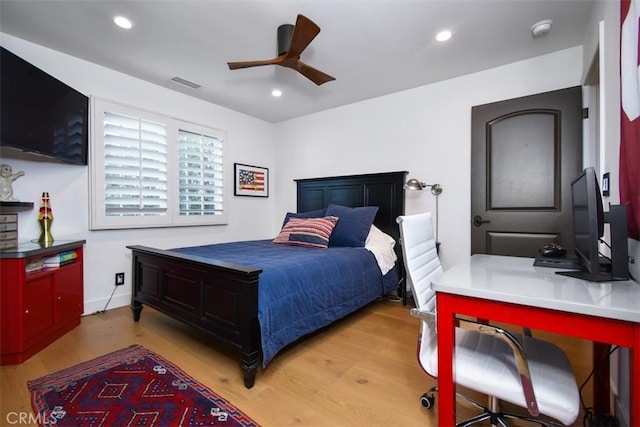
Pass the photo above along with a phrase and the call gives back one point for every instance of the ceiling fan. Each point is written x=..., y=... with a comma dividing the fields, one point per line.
x=292, y=40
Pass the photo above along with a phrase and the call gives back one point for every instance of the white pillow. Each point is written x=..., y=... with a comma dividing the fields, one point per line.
x=381, y=245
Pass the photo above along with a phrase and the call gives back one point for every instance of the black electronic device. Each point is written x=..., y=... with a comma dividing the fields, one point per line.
x=589, y=219
x=567, y=262
x=40, y=114
x=552, y=250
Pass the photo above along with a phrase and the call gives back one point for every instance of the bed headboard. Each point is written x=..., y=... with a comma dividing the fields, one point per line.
x=385, y=190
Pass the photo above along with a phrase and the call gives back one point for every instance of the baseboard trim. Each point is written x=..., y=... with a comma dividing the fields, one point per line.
x=98, y=305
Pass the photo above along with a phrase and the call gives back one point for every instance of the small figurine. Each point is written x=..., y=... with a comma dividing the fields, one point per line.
x=6, y=179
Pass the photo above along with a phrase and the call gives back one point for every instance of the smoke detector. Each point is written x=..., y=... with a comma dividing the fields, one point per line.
x=542, y=28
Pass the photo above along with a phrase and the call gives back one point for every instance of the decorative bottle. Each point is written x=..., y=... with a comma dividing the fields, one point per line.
x=45, y=218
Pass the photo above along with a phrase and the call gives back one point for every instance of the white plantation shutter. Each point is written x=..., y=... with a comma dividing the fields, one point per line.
x=148, y=170
x=135, y=166
x=201, y=188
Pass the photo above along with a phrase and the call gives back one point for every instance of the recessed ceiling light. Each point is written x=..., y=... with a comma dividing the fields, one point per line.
x=123, y=22
x=276, y=93
x=443, y=36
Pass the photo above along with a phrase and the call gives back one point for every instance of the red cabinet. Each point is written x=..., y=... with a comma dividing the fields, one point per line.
x=38, y=305
x=69, y=302
x=37, y=318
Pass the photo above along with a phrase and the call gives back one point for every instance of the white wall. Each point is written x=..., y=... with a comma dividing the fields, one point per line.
x=426, y=131
x=249, y=141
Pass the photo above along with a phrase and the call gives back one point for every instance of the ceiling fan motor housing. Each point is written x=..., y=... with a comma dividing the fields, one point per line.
x=285, y=32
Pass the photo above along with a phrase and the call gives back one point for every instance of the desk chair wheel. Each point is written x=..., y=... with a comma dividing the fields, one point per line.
x=427, y=400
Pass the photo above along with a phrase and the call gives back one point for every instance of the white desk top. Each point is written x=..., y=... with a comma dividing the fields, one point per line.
x=516, y=280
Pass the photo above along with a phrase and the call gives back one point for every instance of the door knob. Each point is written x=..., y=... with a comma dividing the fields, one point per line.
x=478, y=221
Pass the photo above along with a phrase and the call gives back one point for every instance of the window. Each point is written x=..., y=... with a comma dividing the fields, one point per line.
x=200, y=171
x=148, y=170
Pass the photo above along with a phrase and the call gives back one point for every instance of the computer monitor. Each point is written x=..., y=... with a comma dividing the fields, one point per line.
x=589, y=219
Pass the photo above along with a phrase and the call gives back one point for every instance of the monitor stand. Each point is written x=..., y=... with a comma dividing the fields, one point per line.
x=616, y=268
x=567, y=262
x=591, y=277
x=604, y=275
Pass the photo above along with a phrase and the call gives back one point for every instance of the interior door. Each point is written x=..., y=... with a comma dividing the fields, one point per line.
x=524, y=154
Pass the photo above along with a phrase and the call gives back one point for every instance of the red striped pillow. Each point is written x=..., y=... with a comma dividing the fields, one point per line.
x=309, y=232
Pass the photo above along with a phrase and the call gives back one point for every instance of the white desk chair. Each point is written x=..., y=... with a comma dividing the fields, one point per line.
x=522, y=370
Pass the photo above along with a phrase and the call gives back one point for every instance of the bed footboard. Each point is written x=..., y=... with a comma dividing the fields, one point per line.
x=217, y=298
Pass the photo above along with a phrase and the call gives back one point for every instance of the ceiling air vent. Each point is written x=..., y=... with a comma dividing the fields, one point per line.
x=185, y=82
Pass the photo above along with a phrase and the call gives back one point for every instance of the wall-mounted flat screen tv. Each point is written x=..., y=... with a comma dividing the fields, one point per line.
x=40, y=114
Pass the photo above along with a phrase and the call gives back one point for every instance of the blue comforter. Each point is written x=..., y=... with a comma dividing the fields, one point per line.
x=302, y=289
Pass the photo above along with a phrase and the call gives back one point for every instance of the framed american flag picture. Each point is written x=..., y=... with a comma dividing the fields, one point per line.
x=250, y=180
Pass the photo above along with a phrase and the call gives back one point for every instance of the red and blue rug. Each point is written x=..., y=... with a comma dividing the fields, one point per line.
x=129, y=387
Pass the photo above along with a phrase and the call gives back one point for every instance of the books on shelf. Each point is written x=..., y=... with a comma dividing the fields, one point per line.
x=59, y=259
x=34, y=265
x=39, y=264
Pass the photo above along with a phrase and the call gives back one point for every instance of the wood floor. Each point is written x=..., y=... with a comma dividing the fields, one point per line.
x=361, y=371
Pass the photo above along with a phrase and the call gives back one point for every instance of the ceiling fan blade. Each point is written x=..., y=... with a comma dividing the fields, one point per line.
x=247, y=64
x=313, y=74
x=304, y=32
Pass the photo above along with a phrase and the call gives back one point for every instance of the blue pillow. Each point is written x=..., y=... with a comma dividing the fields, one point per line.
x=320, y=213
x=353, y=225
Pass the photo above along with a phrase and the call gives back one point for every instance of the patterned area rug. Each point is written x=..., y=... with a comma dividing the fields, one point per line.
x=129, y=387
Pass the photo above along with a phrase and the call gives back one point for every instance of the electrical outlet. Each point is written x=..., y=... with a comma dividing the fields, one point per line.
x=119, y=279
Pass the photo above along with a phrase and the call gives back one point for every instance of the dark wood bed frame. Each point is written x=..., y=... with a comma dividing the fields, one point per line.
x=221, y=299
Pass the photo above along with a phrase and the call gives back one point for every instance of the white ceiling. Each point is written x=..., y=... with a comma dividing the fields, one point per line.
x=371, y=47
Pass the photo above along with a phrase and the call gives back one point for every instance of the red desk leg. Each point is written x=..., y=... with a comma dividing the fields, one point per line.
x=446, y=343
x=626, y=334
x=634, y=372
